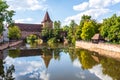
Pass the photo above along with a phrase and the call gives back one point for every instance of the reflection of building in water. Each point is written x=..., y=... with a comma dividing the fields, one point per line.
x=30, y=52
x=47, y=56
x=95, y=58
x=24, y=53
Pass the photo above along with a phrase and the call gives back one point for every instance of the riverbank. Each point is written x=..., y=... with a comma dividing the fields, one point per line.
x=10, y=44
x=104, y=49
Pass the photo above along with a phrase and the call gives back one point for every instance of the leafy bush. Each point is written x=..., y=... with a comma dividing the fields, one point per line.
x=14, y=32
x=52, y=40
x=31, y=38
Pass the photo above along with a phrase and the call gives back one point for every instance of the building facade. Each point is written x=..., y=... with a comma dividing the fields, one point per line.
x=28, y=29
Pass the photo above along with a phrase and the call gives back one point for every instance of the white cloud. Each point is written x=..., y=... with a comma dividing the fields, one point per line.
x=95, y=4
x=27, y=4
x=28, y=66
x=99, y=3
x=95, y=13
x=81, y=7
x=97, y=70
x=76, y=63
x=23, y=20
x=96, y=9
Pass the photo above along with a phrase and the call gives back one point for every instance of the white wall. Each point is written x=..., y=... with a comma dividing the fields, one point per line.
x=5, y=34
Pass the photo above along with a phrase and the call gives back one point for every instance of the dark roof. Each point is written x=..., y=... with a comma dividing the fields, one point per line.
x=29, y=27
x=97, y=36
x=46, y=18
x=24, y=34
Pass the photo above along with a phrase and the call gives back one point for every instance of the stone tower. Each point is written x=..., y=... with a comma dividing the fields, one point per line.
x=47, y=22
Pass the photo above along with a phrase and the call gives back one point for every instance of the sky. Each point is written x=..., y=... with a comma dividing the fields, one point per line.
x=33, y=11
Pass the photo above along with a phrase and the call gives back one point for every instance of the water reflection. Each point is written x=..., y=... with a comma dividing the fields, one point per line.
x=60, y=64
x=7, y=73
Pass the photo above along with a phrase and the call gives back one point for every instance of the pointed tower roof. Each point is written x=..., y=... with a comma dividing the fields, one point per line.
x=46, y=18
x=47, y=60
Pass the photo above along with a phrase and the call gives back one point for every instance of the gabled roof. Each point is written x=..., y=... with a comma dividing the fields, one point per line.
x=46, y=18
x=97, y=37
x=29, y=27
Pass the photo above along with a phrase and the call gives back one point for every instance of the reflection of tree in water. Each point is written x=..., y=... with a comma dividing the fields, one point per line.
x=86, y=59
x=1, y=68
x=57, y=54
x=14, y=53
x=111, y=67
x=72, y=54
x=7, y=74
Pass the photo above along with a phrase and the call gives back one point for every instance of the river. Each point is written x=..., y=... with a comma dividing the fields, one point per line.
x=56, y=63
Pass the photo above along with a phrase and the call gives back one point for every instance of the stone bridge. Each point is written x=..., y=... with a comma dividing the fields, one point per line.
x=25, y=34
x=28, y=29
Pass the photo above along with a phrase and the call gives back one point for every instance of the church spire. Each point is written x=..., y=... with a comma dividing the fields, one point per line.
x=46, y=18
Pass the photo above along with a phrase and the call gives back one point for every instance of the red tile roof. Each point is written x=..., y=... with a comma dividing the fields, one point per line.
x=46, y=18
x=29, y=27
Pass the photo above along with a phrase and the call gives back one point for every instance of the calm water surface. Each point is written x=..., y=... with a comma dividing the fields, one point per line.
x=57, y=64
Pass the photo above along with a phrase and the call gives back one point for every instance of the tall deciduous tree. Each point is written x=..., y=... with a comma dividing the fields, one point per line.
x=84, y=18
x=5, y=15
x=71, y=31
x=110, y=28
x=56, y=31
x=88, y=30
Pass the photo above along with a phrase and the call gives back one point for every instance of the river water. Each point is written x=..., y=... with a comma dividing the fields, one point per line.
x=58, y=63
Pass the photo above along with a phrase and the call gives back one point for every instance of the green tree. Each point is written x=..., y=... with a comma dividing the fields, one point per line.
x=47, y=34
x=114, y=33
x=78, y=32
x=88, y=30
x=14, y=32
x=65, y=28
x=31, y=39
x=110, y=28
x=57, y=24
x=5, y=15
x=71, y=32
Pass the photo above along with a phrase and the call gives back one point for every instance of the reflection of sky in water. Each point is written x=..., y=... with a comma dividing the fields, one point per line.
x=28, y=68
x=33, y=68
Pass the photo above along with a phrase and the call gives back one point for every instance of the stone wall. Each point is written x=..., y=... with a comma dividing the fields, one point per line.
x=105, y=49
x=105, y=46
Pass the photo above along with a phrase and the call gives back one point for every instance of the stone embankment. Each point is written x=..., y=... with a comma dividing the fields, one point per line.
x=105, y=49
x=10, y=44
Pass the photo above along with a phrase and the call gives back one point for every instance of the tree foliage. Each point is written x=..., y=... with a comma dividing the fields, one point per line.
x=84, y=18
x=88, y=30
x=5, y=15
x=71, y=32
x=110, y=28
x=47, y=34
x=31, y=38
x=14, y=32
x=57, y=24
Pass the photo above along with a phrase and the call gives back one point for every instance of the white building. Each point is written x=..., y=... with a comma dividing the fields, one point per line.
x=5, y=34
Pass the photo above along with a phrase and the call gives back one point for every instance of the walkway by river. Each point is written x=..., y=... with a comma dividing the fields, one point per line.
x=9, y=44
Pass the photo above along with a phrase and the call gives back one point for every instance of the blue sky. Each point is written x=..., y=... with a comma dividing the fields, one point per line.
x=33, y=11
